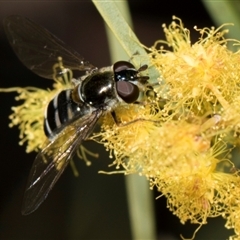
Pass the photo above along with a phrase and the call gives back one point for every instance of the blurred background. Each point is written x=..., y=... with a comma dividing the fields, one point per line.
x=92, y=206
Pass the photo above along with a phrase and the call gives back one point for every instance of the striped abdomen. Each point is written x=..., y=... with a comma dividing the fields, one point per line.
x=60, y=110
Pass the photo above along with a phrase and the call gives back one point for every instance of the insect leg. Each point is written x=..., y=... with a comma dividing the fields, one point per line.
x=119, y=124
x=60, y=73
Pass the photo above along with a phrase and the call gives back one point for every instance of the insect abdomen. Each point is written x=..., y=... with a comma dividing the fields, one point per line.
x=60, y=110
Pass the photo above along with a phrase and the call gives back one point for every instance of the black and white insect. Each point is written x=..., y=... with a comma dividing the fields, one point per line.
x=71, y=116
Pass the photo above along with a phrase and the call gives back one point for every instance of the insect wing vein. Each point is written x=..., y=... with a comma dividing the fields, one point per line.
x=38, y=49
x=53, y=159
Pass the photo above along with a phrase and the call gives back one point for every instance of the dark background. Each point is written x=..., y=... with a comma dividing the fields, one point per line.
x=92, y=206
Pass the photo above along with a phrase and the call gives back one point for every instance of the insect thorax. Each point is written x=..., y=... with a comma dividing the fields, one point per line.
x=98, y=90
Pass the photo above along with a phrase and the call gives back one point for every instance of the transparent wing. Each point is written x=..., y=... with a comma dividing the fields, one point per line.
x=38, y=49
x=53, y=159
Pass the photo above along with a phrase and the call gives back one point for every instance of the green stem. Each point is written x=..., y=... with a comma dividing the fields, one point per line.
x=123, y=43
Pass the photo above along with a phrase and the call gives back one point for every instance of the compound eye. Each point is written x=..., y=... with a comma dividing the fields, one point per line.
x=127, y=91
x=122, y=65
x=124, y=71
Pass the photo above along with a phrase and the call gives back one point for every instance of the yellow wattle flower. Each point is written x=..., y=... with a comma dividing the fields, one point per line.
x=184, y=146
x=29, y=115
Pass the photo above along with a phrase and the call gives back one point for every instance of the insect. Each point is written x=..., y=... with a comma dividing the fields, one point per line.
x=71, y=115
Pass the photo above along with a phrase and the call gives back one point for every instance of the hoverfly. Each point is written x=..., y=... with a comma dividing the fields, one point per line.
x=71, y=115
